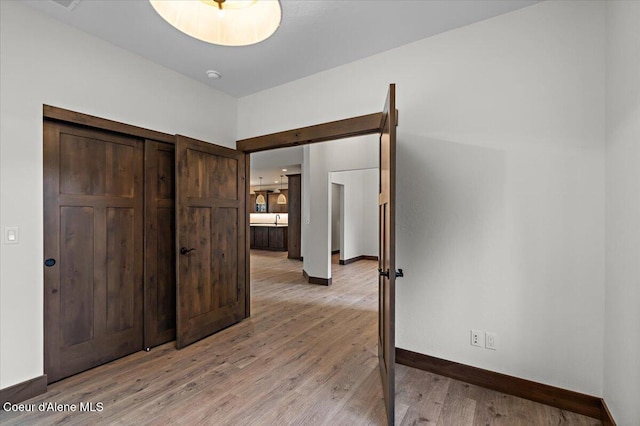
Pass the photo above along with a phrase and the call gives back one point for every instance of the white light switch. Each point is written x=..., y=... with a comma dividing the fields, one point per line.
x=11, y=235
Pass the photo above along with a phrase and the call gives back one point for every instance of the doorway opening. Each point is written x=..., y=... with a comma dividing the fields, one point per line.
x=333, y=180
x=337, y=218
x=384, y=124
x=354, y=215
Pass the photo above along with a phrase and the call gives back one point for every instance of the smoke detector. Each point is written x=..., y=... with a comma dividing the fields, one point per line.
x=67, y=4
x=214, y=74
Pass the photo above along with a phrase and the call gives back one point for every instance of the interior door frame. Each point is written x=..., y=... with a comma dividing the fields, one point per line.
x=324, y=132
x=356, y=126
x=67, y=116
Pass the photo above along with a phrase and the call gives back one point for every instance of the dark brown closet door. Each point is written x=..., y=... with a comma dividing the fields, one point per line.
x=387, y=257
x=93, y=231
x=211, y=238
x=160, y=271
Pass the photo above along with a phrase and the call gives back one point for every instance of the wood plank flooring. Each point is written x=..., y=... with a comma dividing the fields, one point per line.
x=307, y=356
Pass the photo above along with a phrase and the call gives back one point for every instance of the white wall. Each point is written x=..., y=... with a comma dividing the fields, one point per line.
x=323, y=158
x=622, y=265
x=335, y=216
x=370, y=225
x=500, y=184
x=45, y=62
x=306, y=198
x=360, y=212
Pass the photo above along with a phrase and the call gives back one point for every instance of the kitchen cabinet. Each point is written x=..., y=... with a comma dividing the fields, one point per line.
x=272, y=203
x=260, y=237
x=269, y=237
x=278, y=238
x=259, y=208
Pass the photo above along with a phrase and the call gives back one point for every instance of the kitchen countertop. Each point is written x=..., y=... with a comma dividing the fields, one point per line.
x=270, y=225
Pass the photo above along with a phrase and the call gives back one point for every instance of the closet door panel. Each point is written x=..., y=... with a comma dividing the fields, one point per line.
x=160, y=273
x=211, y=239
x=93, y=243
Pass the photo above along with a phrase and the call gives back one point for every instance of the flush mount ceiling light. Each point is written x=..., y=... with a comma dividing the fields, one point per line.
x=223, y=22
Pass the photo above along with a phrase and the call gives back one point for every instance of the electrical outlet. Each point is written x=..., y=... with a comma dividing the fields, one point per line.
x=491, y=341
x=476, y=338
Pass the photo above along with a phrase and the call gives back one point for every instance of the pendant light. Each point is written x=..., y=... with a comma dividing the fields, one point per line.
x=282, y=199
x=260, y=198
x=222, y=22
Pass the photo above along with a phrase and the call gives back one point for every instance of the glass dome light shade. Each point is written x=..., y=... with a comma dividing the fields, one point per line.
x=229, y=23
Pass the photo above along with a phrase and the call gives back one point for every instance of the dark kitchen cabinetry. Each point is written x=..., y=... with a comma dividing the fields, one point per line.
x=259, y=208
x=272, y=202
x=259, y=237
x=269, y=238
x=278, y=238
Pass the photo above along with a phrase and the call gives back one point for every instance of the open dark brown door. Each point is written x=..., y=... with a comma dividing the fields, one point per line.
x=211, y=238
x=93, y=248
x=386, y=259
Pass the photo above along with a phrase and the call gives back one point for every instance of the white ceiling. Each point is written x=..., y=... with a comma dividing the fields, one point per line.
x=313, y=36
x=271, y=176
x=269, y=165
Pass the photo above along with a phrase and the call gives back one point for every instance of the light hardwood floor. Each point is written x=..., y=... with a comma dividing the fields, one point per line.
x=307, y=356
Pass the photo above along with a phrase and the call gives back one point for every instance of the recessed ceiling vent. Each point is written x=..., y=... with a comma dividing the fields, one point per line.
x=67, y=4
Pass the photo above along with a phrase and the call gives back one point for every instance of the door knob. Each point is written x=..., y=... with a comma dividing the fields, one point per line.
x=49, y=262
x=185, y=250
x=398, y=274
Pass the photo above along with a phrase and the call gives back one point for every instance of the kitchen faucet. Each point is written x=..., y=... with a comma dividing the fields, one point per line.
x=277, y=217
